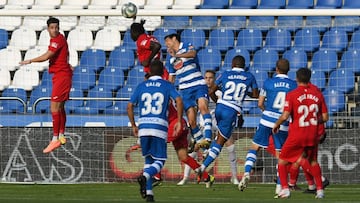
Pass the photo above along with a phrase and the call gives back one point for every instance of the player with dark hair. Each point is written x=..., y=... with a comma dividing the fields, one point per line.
x=307, y=109
x=153, y=97
x=271, y=102
x=58, y=56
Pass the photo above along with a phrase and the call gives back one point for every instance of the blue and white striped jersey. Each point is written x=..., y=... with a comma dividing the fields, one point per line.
x=186, y=69
x=153, y=96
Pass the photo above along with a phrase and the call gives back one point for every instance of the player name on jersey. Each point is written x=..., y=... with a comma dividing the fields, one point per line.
x=240, y=77
x=307, y=96
x=282, y=84
x=153, y=84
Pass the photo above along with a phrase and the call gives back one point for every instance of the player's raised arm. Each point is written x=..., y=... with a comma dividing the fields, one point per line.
x=46, y=56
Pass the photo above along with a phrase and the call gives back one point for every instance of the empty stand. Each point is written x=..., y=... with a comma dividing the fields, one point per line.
x=10, y=23
x=272, y=4
x=92, y=23
x=94, y=59
x=185, y=4
x=307, y=39
x=321, y=23
x=204, y=22
x=67, y=23
x=160, y=33
x=230, y=54
x=355, y=40
x=74, y=4
x=351, y=4
x=46, y=4
x=347, y=23
x=195, y=36
x=120, y=106
x=209, y=59
x=107, y=39
x=335, y=39
x=350, y=60
x=342, y=80
x=39, y=95
x=245, y=4
x=222, y=39
x=4, y=39
x=44, y=38
x=260, y=76
x=324, y=60
x=250, y=39
x=291, y=23
x=5, y=78
x=13, y=105
x=138, y=3
x=101, y=4
x=10, y=58
x=176, y=22
x=75, y=101
x=119, y=22
x=111, y=78
x=328, y=4
x=25, y=78
x=303, y=4
x=80, y=39
x=19, y=4
x=135, y=76
x=265, y=60
x=23, y=38
x=33, y=53
x=103, y=101
x=156, y=4
x=278, y=39
x=83, y=78
x=128, y=42
x=318, y=78
x=296, y=57
x=122, y=58
x=36, y=23
x=73, y=57
x=264, y=23
x=233, y=22
x=335, y=100
x=211, y=4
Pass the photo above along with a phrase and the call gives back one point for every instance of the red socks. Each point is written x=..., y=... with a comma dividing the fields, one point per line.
x=283, y=175
x=62, y=121
x=56, y=123
x=294, y=173
x=194, y=165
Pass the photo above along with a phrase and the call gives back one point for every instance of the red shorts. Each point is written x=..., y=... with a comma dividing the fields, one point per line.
x=61, y=87
x=271, y=146
x=292, y=152
x=179, y=141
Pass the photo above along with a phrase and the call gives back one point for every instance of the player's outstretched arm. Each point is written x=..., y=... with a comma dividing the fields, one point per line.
x=46, y=56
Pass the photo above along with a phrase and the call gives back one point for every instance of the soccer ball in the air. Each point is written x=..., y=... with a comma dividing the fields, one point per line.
x=129, y=10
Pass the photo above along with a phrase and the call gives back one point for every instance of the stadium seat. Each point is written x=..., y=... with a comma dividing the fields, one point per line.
x=25, y=78
x=328, y=4
x=135, y=76
x=222, y=39
x=195, y=36
x=230, y=54
x=83, y=78
x=101, y=4
x=350, y=60
x=5, y=78
x=2, y=3
x=67, y=23
x=80, y=38
x=95, y=59
x=272, y=4
x=111, y=78
x=335, y=39
x=13, y=105
x=38, y=95
x=211, y=4
x=23, y=38
x=250, y=39
x=46, y=79
x=264, y=23
x=324, y=60
x=248, y=104
x=355, y=40
x=335, y=100
x=122, y=58
x=233, y=22
x=318, y=78
x=348, y=4
x=176, y=22
x=204, y=22
x=35, y=52
x=160, y=33
x=107, y=39
x=10, y=58
x=36, y=23
x=255, y=111
x=4, y=39
x=347, y=23
x=46, y=4
x=278, y=39
x=75, y=101
x=10, y=23
x=96, y=106
x=73, y=57
x=44, y=38
x=185, y=4
x=209, y=59
x=307, y=39
x=265, y=60
x=152, y=22
x=156, y=4
x=296, y=57
x=128, y=42
x=260, y=76
x=19, y=4
x=342, y=80
x=291, y=74
x=291, y=23
x=93, y=23
x=245, y=4
x=120, y=106
x=119, y=22
x=74, y=4
x=321, y=23
x=303, y=4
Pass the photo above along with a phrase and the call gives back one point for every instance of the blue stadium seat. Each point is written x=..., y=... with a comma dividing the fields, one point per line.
x=120, y=107
x=328, y=4
x=264, y=23
x=46, y=79
x=204, y=22
x=234, y=52
x=291, y=74
x=42, y=106
x=255, y=111
x=348, y=4
x=176, y=22
x=247, y=105
x=96, y=106
x=321, y=23
x=350, y=60
x=318, y=78
x=135, y=76
x=160, y=33
x=335, y=39
x=13, y=106
x=95, y=59
x=245, y=4
x=260, y=76
x=4, y=38
x=209, y=59
x=272, y=4
x=75, y=101
x=211, y=4
x=324, y=60
x=111, y=78
x=342, y=80
x=250, y=39
x=303, y=4
x=335, y=100
x=265, y=59
x=222, y=39
x=233, y=22
x=122, y=57
x=291, y=23
x=355, y=40
x=128, y=42
x=278, y=39
x=195, y=36
x=347, y=23
x=296, y=57
x=307, y=39
x=83, y=78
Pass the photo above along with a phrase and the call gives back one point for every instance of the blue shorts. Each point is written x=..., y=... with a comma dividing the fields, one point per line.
x=263, y=133
x=192, y=94
x=225, y=118
x=153, y=146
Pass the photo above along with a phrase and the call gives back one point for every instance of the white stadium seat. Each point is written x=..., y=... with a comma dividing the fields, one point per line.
x=44, y=38
x=119, y=22
x=80, y=39
x=107, y=39
x=152, y=22
x=23, y=38
x=5, y=78
x=35, y=52
x=185, y=4
x=37, y=23
x=156, y=4
x=19, y=4
x=67, y=23
x=10, y=23
x=26, y=78
x=10, y=58
x=101, y=4
x=46, y=4
x=74, y=4
x=93, y=23
x=73, y=57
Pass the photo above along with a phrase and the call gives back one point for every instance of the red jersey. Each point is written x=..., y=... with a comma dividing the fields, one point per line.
x=321, y=127
x=60, y=61
x=143, y=49
x=305, y=104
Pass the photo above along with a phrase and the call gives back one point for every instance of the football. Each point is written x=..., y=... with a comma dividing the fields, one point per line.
x=129, y=10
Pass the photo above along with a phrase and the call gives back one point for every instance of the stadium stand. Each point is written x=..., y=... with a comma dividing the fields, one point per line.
x=347, y=23
x=351, y=4
x=204, y=22
x=139, y=3
x=209, y=59
x=155, y=4
x=4, y=38
x=244, y=4
x=93, y=23
x=233, y=22
x=96, y=106
x=71, y=105
x=5, y=78
x=10, y=23
x=101, y=4
x=19, y=4
x=122, y=58
x=135, y=76
x=42, y=106
x=307, y=39
x=355, y=40
x=195, y=36
x=350, y=60
x=278, y=39
x=34, y=52
x=25, y=78
x=211, y=4
x=265, y=59
x=328, y=4
x=68, y=23
x=94, y=59
x=250, y=39
x=290, y=23
x=111, y=78
x=160, y=33
x=9, y=58
x=324, y=60
x=80, y=38
x=272, y=4
x=222, y=39
x=335, y=100
x=230, y=54
x=16, y=105
x=23, y=38
x=127, y=41
x=107, y=39
x=185, y=4
x=321, y=23
x=36, y=23
x=318, y=78
x=176, y=22
x=75, y=4
x=342, y=80
x=296, y=4
x=46, y=4
x=297, y=58
x=84, y=78
x=335, y=39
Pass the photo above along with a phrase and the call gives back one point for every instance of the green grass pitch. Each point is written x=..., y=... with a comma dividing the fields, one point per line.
x=167, y=192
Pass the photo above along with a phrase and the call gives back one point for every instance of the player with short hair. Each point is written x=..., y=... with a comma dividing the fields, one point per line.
x=307, y=109
x=58, y=56
x=153, y=97
x=234, y=85
x=184, y=65
x=271, y=102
